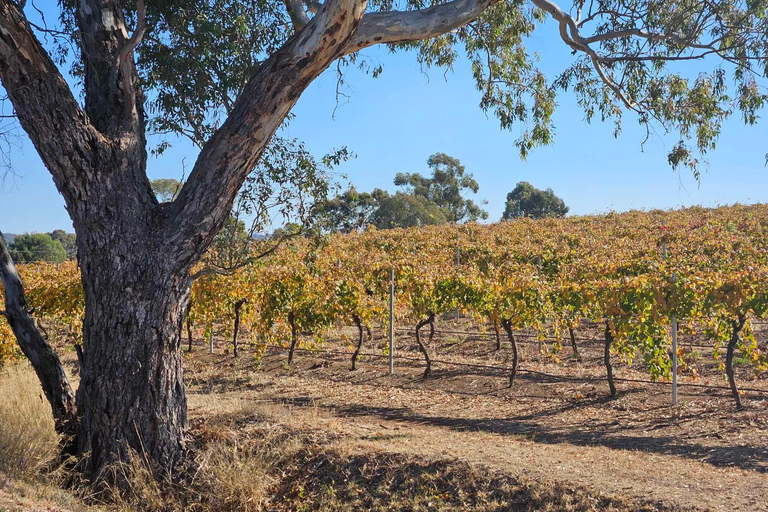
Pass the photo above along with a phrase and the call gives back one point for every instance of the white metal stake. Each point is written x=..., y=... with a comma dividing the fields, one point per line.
x=210, y=342
x=674, y=353
x=391, y=321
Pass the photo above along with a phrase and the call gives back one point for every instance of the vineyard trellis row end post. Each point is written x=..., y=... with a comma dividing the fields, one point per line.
x=391, y=321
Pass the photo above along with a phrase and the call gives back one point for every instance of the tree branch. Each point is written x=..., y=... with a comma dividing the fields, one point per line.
x=226, y=159
x=67, y=142
x=207, y=271
x=110, y=87
x=404, y=26
x=44, y=359
x=299, y=17
x=124, y=57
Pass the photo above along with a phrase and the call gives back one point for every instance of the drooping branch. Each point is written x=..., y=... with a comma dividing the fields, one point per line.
x=44, y=359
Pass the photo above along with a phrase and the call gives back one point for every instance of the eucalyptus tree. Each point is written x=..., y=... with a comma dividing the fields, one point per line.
x=446, y=188
x=227, y=73
x=525, y=200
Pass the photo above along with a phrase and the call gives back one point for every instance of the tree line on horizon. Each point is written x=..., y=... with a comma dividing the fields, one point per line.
x=57, y=246
x=431, y=200
x=439, y=198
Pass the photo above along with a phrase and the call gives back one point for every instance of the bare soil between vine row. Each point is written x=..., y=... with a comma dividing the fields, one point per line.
x=699, y=455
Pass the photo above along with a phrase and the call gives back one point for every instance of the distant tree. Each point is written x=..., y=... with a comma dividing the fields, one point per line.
x=166, y=189
x=528, y=201
x=67, y=240
x=350, y=211
x=407, y=210
x=290, y=229
x=446, y=188
x=27, y=248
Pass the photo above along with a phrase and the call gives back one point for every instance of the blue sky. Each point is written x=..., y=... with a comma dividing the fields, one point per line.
x=393, y=123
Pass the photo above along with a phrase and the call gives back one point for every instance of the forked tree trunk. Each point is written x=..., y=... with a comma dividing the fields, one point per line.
x=738, y=325
x=238, y=305
x=294, y=336
x=607, y=358
x=573, y=343
x=507, y=324
x=359, y=325
x=431, y=321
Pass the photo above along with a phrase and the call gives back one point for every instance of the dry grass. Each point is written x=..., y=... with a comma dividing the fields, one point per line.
x=28, y=441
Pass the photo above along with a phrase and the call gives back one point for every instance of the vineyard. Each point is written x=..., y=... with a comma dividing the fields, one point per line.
x=629, y=277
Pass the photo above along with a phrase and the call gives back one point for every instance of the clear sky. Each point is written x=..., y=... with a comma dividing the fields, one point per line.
x=393, y=123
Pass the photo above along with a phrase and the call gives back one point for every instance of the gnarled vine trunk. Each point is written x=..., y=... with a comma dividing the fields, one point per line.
x=294, y=335
x=237, y=306
x=430, y=320
x=507, y=324
x=574, y=346
x=359, y=326
x=737, y=326
x=607, y=358
x=495, y=322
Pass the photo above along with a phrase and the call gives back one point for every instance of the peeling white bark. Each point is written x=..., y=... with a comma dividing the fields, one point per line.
x=404, y=26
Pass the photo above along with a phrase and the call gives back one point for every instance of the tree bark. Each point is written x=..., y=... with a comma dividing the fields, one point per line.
x=607, y=358
x=294, y=336
x=431, y=321
x=132, y=396
x=737, y=325
x=359, y=325
x=507, y=324
x=238, y=305
x=41, y=355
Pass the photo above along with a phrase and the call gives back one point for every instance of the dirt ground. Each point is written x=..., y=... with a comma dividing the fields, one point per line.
x=556, y=423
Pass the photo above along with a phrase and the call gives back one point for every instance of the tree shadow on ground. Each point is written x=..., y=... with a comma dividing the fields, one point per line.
x=754, y=458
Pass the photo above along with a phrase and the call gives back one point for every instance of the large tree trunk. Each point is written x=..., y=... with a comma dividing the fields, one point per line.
x=131, y=396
